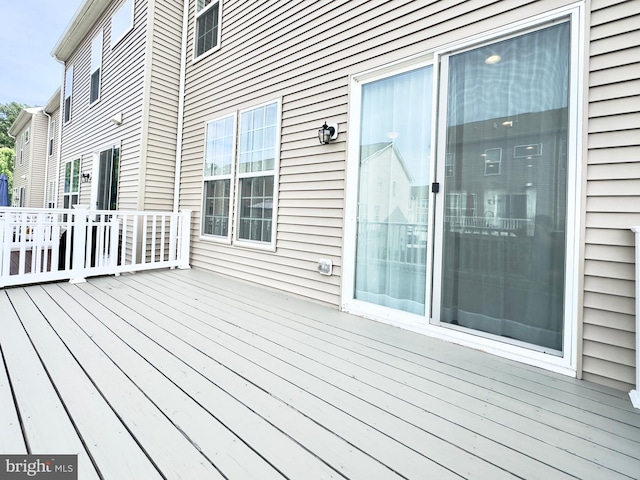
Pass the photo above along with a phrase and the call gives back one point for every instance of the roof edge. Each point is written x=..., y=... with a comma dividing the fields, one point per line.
x=83, y=20
x=22, y=119
x=53, y=103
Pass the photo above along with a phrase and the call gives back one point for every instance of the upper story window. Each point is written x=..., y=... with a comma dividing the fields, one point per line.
x=52, y=129
x=26, y=136
x=96, y=64
x=68, y=91
x=121, y=22
x=207, y=26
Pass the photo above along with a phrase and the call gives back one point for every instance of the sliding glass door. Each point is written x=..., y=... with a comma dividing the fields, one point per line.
x=393, y=191
x=505, y=188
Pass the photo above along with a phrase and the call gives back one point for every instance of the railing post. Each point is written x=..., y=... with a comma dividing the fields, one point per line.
x=184, y=239
x=114, y=243
x=78, y=245
x=5, y=250
x=635, y=394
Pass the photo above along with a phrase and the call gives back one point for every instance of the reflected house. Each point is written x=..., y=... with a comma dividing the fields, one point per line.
x=505, y=222
x=387, y=181
x=392, y=248
x=506, y=171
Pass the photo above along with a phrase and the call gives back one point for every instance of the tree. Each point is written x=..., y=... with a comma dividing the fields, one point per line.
x=8, y=114
x=6, y=164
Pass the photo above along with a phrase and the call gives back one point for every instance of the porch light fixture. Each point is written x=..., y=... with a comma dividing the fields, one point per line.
x=86, y=177
x=327, y=133
x=493, y=59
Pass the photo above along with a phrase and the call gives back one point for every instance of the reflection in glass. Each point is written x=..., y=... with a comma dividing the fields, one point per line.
x=504, y=233
x=393, y=193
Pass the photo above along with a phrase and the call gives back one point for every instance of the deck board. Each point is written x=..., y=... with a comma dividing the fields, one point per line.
x=193, y=375
x=558, y=448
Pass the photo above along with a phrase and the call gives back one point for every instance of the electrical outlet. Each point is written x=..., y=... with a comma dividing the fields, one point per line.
x=325, y=266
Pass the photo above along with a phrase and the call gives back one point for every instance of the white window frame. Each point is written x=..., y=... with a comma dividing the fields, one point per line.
x=26, y=135
x=492, y=161
x=236, y=179
x=71, y=192
x=200, y=11
x=567, y=363
x=275, y=173
x=51, y=194
x=21, y=154
x=230, y=176
x=122, y=22
x=50, y=140
x=96, y=65
x=68, y=95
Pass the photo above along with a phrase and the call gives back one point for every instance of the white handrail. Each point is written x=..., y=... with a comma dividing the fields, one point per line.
x=635, y=394
x=39, y=245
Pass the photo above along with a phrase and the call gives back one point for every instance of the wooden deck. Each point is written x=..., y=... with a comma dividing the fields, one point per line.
x=186, y=374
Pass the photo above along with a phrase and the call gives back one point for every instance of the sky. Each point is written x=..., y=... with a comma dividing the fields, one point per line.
x=29, y=31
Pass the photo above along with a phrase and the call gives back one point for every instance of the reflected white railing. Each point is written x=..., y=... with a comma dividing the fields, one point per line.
x=635, y=394
x=40, y=245
x=490, y=225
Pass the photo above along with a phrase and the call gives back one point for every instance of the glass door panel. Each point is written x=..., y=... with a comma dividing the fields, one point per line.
x=503, y=240
x=393, y=196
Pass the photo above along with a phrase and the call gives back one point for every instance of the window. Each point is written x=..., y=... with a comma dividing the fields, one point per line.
x=106, y=193
x=52, y=130
x=218, y=175
x=121, y=22
x=257, y=156
x=51, y=195
x=255, y=165
x=207, y=26
x=492, y=161
x=96, y=63
x=26, y=136
x=68, y=91
x=71, y=183
x=449, y=165
x=22, y=196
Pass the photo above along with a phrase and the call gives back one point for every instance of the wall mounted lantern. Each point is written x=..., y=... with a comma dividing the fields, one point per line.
x=86, y=177
x=327, y=133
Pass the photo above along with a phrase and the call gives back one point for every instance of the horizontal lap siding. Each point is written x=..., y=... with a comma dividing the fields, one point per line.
x=38, y=140
x=162, y=108
x=305, y=52
x=121, y=91
x=613, y=193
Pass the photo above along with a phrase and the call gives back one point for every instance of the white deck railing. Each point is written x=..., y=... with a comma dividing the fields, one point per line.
x=635, y=394
x=40, y=245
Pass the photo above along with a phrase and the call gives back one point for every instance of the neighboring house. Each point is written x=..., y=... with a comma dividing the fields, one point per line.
x=30, y=130
x=119, y=104
x=515, y=151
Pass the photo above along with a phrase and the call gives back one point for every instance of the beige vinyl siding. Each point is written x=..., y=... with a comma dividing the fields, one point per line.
x=38, y=138
x=53, y=158
x=121, y=91
x=304, y=53
x=613, y=193
x=161, y=110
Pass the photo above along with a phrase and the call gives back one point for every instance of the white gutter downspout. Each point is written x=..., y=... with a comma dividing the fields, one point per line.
x=183, y=74
x=635, y=394
x=59, y=152
x=46, y=163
